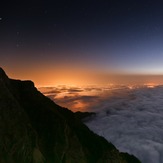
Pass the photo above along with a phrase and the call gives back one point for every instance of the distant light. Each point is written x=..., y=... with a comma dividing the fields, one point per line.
x=130, y=87
x=151, y=85
x=0, y=19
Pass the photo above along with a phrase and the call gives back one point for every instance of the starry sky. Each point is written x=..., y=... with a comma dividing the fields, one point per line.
x=68, y=41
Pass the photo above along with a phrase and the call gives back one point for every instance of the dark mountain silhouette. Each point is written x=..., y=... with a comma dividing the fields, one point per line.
x=33, y=129
x=84, y=116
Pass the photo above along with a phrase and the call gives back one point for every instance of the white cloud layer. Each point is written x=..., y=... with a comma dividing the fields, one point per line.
x=133, y=122
x=129, y=117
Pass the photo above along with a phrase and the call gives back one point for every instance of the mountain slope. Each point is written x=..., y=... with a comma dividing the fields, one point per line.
x=33, y=129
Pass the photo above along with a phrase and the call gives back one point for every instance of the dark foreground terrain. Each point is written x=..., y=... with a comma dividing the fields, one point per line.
x=33, y=129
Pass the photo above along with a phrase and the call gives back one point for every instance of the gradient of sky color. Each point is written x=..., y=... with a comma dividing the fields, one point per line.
x=81, y=41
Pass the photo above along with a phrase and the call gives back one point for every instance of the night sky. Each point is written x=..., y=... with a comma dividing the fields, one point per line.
x=54, y=42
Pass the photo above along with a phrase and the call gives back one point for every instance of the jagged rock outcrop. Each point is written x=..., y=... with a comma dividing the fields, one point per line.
x=33, y=129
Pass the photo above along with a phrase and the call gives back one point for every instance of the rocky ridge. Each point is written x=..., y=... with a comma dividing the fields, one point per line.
x=33, y=129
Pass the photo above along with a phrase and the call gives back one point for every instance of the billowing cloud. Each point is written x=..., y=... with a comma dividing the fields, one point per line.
x=134, y=123
x=129, y=117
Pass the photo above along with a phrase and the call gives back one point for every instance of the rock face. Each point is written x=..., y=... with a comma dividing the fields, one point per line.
x=33, y=129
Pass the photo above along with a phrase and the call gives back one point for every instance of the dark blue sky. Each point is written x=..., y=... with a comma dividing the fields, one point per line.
x=102, y=36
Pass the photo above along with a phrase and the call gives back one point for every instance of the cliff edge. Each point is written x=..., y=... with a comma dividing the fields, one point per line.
x=33, y=129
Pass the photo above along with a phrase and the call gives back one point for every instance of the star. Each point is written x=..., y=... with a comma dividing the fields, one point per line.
x=18, y=33
x=17, y=45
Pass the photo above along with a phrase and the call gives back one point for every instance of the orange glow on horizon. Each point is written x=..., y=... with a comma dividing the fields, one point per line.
x=52, y=76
